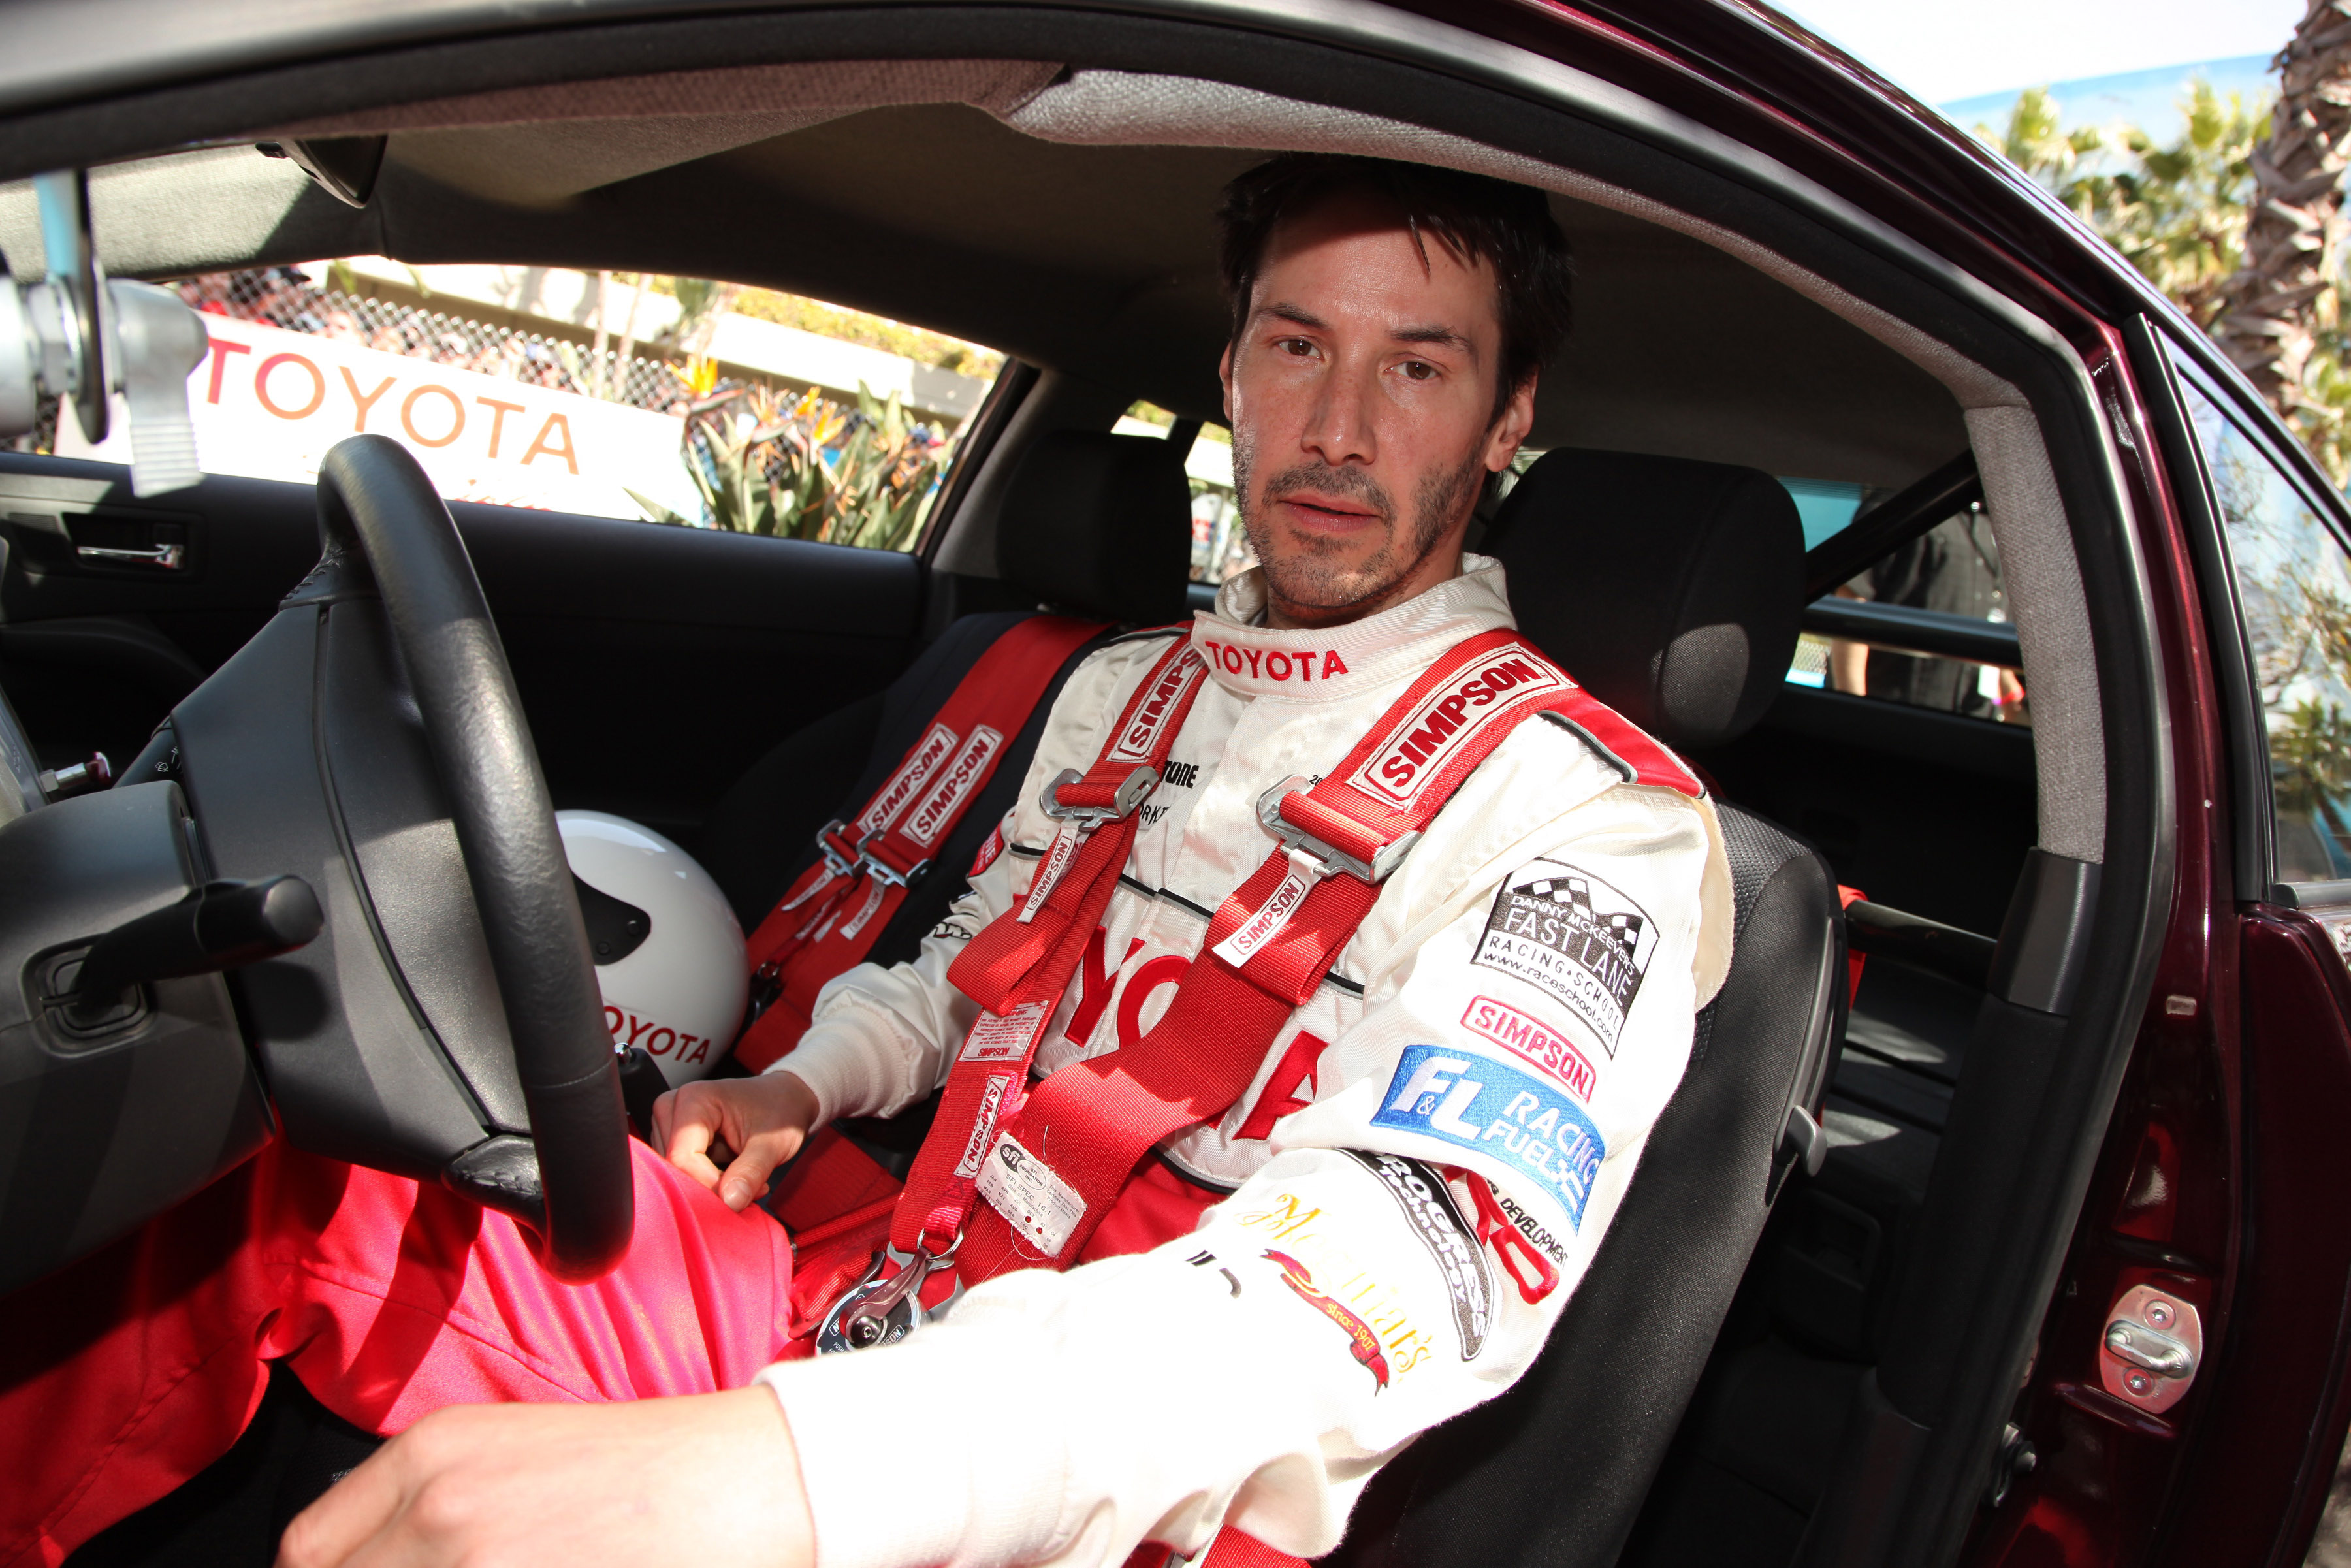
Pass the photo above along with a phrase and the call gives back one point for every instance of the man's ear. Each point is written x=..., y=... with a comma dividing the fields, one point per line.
x=1510, y=431
x=1224, y=377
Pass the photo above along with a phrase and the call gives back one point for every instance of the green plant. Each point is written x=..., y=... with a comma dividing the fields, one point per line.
x=2174, y=211
x=808, y=469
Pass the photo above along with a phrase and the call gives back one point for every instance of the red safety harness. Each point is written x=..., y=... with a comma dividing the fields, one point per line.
x=1267, y=948
x=829, y=918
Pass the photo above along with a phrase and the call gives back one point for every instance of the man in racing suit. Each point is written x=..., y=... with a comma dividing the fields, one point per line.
x=1255, y=1371
x=1377, y=1234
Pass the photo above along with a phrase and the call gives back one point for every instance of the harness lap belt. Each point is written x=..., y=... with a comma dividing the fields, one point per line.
x=1266, y=950
x=823, y=926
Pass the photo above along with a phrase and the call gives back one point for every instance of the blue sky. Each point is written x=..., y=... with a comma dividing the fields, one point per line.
x=1950, y=54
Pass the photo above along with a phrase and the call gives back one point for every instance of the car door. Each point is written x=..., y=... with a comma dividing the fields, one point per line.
x=2187, y=1404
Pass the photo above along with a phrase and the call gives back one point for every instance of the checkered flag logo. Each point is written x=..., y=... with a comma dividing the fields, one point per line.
x=1626, y=929
x=1573, y=891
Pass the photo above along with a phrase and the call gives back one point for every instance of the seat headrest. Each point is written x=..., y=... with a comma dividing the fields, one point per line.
x=1100, y=524
x=1671, y=589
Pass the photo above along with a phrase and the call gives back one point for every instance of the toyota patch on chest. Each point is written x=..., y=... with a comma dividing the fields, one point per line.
x=1567, y=933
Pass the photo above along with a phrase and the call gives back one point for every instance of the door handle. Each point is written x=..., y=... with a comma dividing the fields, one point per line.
x=171, y=557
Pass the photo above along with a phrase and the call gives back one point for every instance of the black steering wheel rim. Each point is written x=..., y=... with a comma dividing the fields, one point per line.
x=377, y=508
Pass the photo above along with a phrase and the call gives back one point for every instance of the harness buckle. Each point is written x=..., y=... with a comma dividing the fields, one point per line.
x=877, y=1311
x=838, y=862
x=1312, y=856
x=881, y=870
x=1135, y=789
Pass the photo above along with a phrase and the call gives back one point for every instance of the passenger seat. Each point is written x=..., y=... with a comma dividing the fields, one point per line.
x=1094, y=526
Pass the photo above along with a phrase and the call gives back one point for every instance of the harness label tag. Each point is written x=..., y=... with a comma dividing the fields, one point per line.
x=912, y=775
x=1035, y=1202
x=946, y=798
x=1289, y=897
x=1005, y=1038
x=1058, y=856
x=1441, y=723
x=1141, y=737
x=991, y=1100
x=865, y=913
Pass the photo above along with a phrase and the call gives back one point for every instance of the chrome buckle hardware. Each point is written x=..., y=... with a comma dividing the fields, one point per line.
x=835, y=861
x=1136, y=790
x=876, y=1312
x=881, y=870
x=1312, y=856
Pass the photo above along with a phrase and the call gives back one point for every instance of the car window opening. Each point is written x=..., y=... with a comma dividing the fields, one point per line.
x=674, y=401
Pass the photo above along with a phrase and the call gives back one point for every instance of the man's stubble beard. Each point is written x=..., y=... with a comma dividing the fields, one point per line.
x=1307, y=578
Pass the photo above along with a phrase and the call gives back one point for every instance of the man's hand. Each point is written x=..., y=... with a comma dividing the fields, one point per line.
x=713, y=1479
x=750, y=1124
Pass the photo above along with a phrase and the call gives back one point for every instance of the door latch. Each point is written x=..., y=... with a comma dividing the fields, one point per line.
x=2152, y=1345
x=170, y=558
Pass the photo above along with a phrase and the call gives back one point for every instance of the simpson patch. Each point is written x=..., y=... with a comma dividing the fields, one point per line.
x=1567, y=933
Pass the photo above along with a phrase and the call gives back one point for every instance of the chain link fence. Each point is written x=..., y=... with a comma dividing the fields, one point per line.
x=283, y=296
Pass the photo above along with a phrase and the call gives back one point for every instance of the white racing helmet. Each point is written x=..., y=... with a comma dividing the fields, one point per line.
x=669, y=952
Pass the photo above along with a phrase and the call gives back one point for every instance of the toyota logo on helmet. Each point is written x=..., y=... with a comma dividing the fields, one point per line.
x=668, y=950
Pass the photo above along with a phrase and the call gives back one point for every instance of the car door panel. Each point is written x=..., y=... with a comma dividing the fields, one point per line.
x=655, y=663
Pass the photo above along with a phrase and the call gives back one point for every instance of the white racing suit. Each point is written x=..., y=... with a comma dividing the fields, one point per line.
x=1256, y=1372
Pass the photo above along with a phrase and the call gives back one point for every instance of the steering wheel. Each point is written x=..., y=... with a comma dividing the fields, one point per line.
x=371, y=740
x=374, y=499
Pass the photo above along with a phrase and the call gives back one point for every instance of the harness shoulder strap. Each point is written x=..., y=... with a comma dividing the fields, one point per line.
x=1266, y=949
x=829, y=919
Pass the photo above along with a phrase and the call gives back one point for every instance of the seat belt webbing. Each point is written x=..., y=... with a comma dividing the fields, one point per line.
x=831, y=915
x=1019, y=965
x=1075, y=1140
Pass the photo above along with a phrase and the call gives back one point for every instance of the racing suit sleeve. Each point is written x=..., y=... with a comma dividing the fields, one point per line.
x=881, y=1038
x=1258, y=1371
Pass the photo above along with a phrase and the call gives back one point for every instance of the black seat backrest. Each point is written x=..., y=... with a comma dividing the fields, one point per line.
x=1093, y=525
x=1672, y=591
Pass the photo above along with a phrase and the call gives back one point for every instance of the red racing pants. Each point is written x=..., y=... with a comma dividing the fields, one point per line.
x=129, y=1372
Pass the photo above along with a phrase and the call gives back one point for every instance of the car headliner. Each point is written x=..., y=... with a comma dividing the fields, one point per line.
x=1095, y=260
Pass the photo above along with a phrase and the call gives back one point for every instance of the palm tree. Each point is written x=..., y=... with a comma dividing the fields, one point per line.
x=2285, y=294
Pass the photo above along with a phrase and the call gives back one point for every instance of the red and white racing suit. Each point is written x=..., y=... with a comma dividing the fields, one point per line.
x=1518, y=1004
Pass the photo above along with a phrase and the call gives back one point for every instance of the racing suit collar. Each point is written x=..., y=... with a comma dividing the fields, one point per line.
x=1334, y=663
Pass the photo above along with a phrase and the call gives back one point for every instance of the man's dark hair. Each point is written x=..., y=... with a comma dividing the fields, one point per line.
x=1509, y=227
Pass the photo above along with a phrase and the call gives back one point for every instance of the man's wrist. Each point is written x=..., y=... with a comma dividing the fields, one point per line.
x=836, y=1071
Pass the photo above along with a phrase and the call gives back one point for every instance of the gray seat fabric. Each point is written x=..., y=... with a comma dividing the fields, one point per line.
x=1556, y=1471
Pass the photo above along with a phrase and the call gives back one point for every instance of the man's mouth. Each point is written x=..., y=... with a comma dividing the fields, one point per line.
x=1309, y=507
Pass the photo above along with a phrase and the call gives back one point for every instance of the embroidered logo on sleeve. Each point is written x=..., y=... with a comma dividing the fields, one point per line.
x=1531, y=1038
x=1361, y=1339
x=1429, y=1208
x=1573, y=935
x=1520, y=1120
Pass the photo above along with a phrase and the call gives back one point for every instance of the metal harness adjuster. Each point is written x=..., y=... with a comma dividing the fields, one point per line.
x=1318, y=858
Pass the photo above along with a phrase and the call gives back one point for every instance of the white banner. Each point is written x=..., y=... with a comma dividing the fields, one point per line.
x=269, y=404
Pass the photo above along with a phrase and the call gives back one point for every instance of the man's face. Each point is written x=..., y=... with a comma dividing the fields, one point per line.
x=1361, y=392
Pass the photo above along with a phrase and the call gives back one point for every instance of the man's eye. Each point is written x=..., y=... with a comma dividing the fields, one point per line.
x=1298, y=346
x=1419, y=369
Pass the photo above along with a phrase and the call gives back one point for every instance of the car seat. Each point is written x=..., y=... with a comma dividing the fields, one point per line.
x=1093, y=525
x=1671, y=589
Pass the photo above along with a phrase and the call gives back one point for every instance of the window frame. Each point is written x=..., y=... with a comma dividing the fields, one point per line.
x=2177, y=372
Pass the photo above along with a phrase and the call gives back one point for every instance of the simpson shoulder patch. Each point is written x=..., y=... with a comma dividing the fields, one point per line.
x=1429, y=1208
x=1564, y=931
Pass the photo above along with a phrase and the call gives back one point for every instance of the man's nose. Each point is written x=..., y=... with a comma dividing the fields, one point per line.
x=1340, y=426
